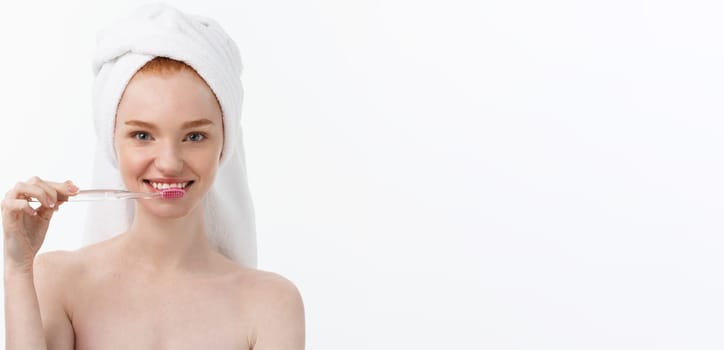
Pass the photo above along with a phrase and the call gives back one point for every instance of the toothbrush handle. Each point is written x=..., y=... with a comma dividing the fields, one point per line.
x=102, y=195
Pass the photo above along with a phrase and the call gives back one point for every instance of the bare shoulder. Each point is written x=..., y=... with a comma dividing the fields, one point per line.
x=57, y=276
x=278, y=310
x=269, y=291
x=62, y=264
x=62, y=271
x=56, y=266
x=269, y=283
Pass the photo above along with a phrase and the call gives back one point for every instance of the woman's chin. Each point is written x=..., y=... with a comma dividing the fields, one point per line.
x=172, y=209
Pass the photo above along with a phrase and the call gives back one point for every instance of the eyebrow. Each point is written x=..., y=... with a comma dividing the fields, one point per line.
x=186, y=125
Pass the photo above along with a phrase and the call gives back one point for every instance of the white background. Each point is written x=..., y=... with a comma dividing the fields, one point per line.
x=444, y=175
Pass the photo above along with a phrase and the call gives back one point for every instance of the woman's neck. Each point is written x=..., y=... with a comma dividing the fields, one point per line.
x=167, y=245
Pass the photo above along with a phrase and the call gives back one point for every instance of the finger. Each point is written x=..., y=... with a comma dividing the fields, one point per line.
x=65, y=189
x=45, y=212
x=27, y=191
x=12, y=207
x=52, y=194
x=57, y=205
x=59, y=191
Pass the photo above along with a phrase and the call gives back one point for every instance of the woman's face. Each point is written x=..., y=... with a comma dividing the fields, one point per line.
x=168, y=130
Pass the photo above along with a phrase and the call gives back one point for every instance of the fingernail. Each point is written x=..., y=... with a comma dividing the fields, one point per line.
x=72, y=188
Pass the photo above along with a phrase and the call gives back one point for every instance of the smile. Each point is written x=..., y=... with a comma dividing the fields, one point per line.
x=158, y=186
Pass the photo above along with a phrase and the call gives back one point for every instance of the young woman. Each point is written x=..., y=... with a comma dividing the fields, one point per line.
x=160, y=284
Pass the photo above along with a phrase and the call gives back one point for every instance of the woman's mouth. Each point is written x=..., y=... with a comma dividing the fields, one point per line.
x=160, y=186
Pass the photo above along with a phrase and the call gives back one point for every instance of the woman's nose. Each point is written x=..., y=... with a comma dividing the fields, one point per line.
x=168, y=159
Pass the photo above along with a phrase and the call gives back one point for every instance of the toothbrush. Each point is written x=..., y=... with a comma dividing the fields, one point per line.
x=101, y=195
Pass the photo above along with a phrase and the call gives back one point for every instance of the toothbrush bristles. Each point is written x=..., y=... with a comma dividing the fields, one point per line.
x=172, y=193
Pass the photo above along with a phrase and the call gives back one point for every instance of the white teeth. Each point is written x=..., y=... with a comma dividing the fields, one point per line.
x=162, y=186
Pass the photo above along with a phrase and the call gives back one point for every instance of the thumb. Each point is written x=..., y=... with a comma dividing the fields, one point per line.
x=46, y=213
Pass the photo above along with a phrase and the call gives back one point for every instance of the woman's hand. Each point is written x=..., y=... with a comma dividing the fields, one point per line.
x=24, y=227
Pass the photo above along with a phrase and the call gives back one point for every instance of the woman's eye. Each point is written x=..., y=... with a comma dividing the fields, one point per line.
x=140, y=135
x=196, y=136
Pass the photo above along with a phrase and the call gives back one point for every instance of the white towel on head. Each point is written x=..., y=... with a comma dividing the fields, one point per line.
x=122, y=49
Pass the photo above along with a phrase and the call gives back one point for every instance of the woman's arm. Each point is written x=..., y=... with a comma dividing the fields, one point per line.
x=23, y=326
x=51, y=279
x=35, y=317
x=24, y=229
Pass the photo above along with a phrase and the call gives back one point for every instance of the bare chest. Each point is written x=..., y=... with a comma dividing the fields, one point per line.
x=182, y=314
